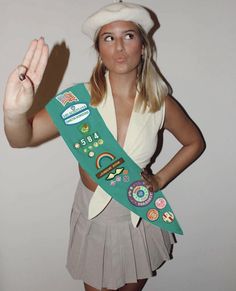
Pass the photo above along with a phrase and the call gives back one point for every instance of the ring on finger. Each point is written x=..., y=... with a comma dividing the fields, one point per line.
x=22, y=75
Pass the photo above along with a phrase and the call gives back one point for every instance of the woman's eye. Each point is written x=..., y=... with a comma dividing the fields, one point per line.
x=108, y=38
x=129, y=36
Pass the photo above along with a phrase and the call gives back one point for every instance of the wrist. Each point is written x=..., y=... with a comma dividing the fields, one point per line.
x=12, y=115
x=160, y=180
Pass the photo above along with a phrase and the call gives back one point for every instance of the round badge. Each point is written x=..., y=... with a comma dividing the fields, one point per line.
x=91, y=154
x=152, y=214
x=84, y=128
x=139, y=195
x=118, y=179
x=168, y=217
x=160, y=203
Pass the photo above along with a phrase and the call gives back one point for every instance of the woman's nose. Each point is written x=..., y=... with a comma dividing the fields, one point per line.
x=119, y=44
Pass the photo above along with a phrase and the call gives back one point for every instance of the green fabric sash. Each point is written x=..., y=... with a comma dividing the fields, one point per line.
x=100, y=155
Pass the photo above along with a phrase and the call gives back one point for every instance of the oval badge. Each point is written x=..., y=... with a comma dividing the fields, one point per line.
x=77, y=118
x=73, y=110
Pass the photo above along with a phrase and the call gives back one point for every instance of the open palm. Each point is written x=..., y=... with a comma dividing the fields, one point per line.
x=19, y=94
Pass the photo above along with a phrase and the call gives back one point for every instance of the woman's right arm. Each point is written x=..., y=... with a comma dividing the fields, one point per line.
x=21, y=132
x=19, y=96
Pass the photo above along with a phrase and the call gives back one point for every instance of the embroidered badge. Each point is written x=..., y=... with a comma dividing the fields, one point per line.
x=103, y=156
x=67, y=97
x=77, y=145
x=77, y=118
x=152, y=214
x=84, y=128
x=125, y=178
x=109, y=168
x=72, y=110
x=160, y=203
x=113, y=175
x=168, y=217
x=91, y=154
x=139, y=195
x=113, y=183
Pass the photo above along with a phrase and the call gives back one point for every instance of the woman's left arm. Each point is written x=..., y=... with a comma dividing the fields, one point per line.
x=187, y=133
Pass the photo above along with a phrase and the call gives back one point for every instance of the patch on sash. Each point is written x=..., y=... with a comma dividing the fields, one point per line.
x=168, y=217
x=110, y=168
x=139, y=195
x=66, y=97
x=103, y=156
x=77, y=118
x=160, y=203
x=152, y=214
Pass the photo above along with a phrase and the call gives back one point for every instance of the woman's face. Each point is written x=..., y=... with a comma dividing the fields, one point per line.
x=120, y=47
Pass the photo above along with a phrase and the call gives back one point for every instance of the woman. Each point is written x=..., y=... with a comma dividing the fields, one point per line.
x=109, y=252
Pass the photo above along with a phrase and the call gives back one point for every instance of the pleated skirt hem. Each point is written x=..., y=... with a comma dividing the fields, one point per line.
x=109, y=255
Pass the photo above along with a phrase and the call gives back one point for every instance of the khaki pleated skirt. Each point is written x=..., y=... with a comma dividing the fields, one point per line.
x=107, y=251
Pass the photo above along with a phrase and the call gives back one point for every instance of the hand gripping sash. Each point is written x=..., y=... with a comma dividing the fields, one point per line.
x=100, y=155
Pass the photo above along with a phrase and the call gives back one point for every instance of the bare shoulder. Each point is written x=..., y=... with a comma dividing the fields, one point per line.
x=43, y=128
x=173, y=112
x=178, y=122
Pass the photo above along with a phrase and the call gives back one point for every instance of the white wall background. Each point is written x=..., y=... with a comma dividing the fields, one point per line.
x=196, y=50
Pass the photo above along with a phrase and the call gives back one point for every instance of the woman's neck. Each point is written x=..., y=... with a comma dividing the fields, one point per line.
x=123, y=85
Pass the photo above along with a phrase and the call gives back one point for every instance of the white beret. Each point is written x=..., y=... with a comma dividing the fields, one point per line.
x=114, y=12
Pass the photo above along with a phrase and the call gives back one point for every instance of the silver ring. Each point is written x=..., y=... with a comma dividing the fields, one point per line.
x=20, y=68
x=22, y=77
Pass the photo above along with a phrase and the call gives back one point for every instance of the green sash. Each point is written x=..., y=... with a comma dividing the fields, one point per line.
x=99, y=154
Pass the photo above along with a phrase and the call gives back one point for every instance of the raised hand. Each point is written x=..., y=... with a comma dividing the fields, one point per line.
x=25, y=79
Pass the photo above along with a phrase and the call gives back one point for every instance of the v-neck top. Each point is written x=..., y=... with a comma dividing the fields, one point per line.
x=141, y=137
x=140, y=142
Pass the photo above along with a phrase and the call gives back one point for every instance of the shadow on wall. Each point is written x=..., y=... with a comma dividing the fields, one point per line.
x=52, y=78
x=56, y=67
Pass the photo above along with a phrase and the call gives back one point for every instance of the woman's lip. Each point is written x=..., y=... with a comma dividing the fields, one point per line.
x=120, y=60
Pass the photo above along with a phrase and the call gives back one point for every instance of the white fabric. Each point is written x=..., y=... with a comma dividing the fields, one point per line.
x=140, y=144
x=114, y=12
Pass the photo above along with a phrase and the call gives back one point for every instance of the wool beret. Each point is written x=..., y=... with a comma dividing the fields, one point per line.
x=115, y=12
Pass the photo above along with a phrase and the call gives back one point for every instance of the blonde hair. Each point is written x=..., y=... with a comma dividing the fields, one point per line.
x=151, y=85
